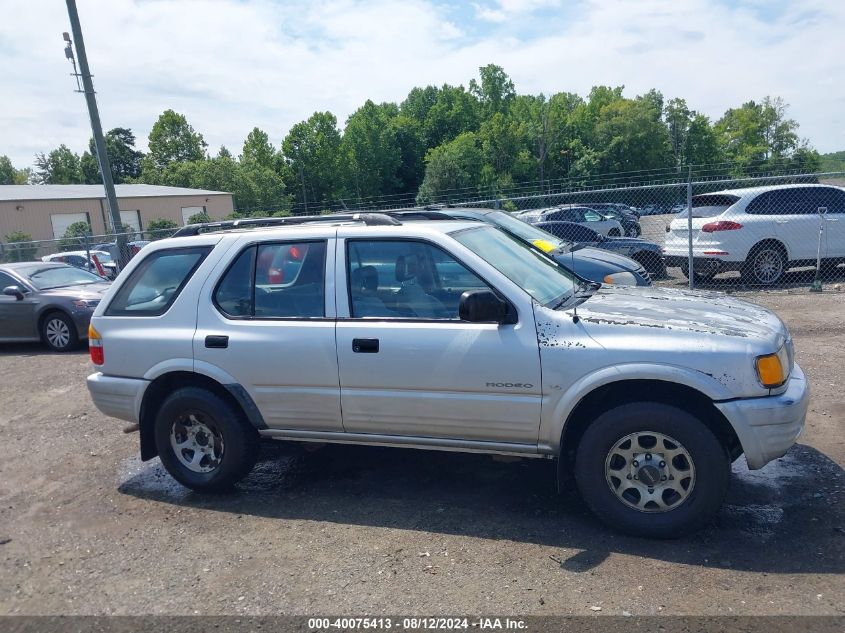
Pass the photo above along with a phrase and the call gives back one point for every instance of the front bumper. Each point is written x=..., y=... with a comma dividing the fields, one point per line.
x=117, y=397
x=767, y=427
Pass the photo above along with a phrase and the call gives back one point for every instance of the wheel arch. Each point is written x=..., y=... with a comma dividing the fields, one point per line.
x=612, y=394
x=168, y=382
x=770, y=241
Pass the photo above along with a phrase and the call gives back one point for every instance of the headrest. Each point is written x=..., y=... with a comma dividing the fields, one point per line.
x=406, y=268
x=365, y=278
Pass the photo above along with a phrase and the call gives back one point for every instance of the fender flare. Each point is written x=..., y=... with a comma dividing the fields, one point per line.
x=553, y=422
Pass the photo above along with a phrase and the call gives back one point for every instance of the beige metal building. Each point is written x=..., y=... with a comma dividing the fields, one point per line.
x=45, y=211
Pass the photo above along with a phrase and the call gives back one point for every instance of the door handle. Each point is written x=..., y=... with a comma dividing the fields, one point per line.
x=832, y=219
x=365, y=345
x=216, y=341
x=781, y=221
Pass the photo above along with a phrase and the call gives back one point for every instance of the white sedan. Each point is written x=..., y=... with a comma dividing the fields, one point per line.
x=606, y=225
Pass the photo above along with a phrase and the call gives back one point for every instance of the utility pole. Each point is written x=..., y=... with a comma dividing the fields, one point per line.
x=96, y=128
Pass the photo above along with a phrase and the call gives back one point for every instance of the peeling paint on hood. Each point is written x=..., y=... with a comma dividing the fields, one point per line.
x=670, y=309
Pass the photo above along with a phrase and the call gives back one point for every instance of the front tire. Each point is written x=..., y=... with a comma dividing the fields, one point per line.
x=58, y=332
x=680, y=478
x=203, y=441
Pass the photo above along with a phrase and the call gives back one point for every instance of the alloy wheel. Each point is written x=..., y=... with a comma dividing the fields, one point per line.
x=650, y=471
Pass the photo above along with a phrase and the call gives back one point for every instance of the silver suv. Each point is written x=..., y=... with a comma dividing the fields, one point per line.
x=448, y=335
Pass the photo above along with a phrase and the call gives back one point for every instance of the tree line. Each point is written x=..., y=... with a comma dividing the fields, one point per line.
x=442, y=142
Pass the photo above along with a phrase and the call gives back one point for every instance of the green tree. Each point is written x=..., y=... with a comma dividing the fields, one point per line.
x=312, y=154
x=452, y=169
x=495, y=91
x=409, y=137
x=371, y=151
x=258, y=149
x=74, y=237
x=9, y=175
x=17, y=248
x=172, y=139
x=629, y=137
x=701, y=145
x=124, y=159
x=454, y=112
x=59, y=167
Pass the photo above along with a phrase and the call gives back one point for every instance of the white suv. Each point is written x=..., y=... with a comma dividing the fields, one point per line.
x=761, y=231
x=448, y=335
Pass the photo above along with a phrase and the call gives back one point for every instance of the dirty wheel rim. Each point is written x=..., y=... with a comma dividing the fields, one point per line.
x=650, y=472
x=196, y=442
x=58, y=333
x=768, y=266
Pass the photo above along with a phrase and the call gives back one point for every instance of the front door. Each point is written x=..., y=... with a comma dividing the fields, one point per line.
x=410, y=367
x=267, y=325
x=17, y=316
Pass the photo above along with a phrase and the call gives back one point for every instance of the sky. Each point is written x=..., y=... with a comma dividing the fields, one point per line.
x=231, y=65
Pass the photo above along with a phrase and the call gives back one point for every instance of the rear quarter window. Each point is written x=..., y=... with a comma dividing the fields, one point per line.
x=158, y=280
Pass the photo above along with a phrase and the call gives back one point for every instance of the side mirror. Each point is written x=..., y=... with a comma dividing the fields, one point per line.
x=483, y=306
x=13, y=291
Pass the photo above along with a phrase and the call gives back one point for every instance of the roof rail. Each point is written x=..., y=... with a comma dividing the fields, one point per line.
x=370, y=219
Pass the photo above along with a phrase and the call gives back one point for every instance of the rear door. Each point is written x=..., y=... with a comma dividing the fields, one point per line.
x=267, y=320
x=795, y=216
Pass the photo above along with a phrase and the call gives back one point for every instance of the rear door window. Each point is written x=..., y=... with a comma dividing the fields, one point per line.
x=155, y=284
x=275, y=281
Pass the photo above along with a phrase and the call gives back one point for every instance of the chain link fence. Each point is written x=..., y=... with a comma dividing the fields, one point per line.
x=776, y=231
x=772, y=232
x=96, y=253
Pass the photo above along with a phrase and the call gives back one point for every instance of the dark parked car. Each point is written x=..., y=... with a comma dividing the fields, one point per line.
x=646, y=253
x=49, y=302
x=590, y=263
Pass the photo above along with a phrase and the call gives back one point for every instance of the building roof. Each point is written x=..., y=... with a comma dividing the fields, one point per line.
x=12, y=193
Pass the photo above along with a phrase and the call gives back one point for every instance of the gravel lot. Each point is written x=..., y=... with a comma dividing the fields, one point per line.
x=86, y=528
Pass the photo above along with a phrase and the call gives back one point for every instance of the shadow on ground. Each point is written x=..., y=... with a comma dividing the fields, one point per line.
x=786, y=518
x=38, y=349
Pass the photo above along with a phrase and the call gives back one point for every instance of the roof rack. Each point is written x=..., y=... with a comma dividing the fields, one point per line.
x=370, y=219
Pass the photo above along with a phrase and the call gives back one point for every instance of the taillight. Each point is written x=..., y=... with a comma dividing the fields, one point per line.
x=722, y=225
x=95, y=346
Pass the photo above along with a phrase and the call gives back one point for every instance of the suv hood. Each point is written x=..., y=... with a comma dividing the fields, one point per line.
x=706, y=313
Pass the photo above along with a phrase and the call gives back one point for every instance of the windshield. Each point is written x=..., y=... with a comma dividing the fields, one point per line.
x=543, y=240
x=59, y=276
x=540, y=276
x=103, y=256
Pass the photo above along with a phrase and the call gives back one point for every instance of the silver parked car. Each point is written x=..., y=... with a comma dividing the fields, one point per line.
x=451, y=335
x=47, y=301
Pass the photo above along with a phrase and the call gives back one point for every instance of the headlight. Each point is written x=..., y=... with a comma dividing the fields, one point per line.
x=621, y=279
x=86, y=303
x=773, y=369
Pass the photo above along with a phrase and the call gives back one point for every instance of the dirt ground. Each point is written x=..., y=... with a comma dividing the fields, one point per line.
x=87, y=528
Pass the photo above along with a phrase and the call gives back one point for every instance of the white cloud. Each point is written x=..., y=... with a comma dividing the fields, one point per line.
x=229, y=65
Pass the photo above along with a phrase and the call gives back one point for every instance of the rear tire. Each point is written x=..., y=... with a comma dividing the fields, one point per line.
x=685, y=452
x=58, y=332
x=203, y=441
x=765, y=265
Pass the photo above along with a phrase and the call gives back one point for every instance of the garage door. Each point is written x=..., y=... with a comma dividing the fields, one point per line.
x=61, y=221
x=131, y=218
x=187, y=212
